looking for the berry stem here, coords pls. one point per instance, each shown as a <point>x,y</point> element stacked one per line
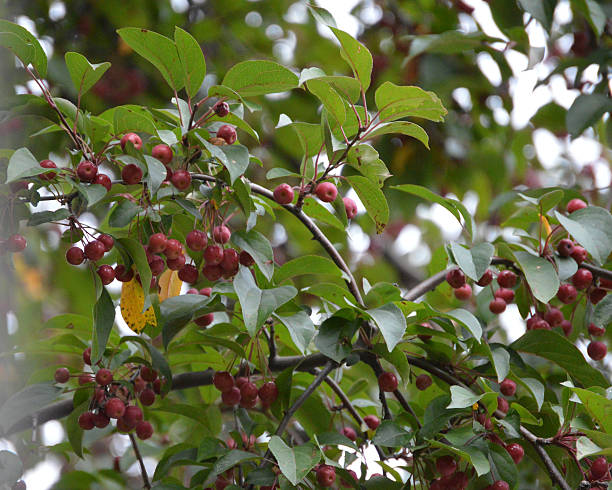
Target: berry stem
<point>143,469</point>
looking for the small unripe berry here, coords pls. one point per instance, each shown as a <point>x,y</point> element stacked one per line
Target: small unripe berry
<point>455,278</point>
<point>423,381</point>
<point>75,256</point>
<point>350,207</point>
<point>131,174</point>
<point>597,350</point>
<point>497,306</point>
<point>486,278</point>
<point>283,194</point>
<point>86,421</point>
<point>114,408</point>
<point>228,133</point>
<point>516,452</point>
<point>387,381</point>
<point>507,279</point>
<point>575,205</point>
<point>372,421</point>
<point>132,138</point>
<point>326,191</point>
<point>163,153</point>
<point>507,387</point>
<point>48,175</point>
<point>221,234</point>
<point>582,279</point>
<point>181,179</point>
<point>567,293</point>
<point>221,108</point>
<point>565,247</point>
<point>62,375</point>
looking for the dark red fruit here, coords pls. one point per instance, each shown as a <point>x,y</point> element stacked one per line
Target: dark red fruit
<point>85,379</point>
<point>575,205</point>
<point>599,468</point>
<point>506,294</point>
<point>228,133</point>
<point>507,387</point>
<point>114,408</point>
<point>246,259</point>
<point>163,153</point>
<point>231,397</point>
<point>596,295</point>
<point>507,279</point>
<point>554,316</point>
<point>75,256</point>
<point>62,375</point>
<point>423,381</point>
<point>349,433</point>
<point>107,240</point>
<point>132,415</point>
<point>230,260</point>
<point>94,250</point>
<point>597,350</point>
<point>268,392</point>
<point>122,274</point>
<point>446,465</point>
<point>350,207</point>
<point>87,171</point>
<point>204,320</point>
<point>567,327</point>
<point>565,247</point>
<point>283,194</point>
<point>497,306</point>
<point>541,324</point>
<point>87,356</point>
<point>516,452</point>
<point>567,293</point>
<point>223,381</point>
<point>196,240</point>
<point>181,179</point>
<point>213,255</point>
<point>486,278</point>
<point>106,274</point>
<point>123,426</point>
<point>596,331</point>
<point>100,420</point>
<point>157,266</point>
<point>86,421</point>
<point>144,430</point>
<point>48,175</point>
<point>387,381</point>
<point>174,249</point>
<point>464,292</point>
<point>221,109</point>
<point>326,191</point>
<point>147,397</point>
<point>157,243</point>
<point>221,234</point>
<point>212,272</point>
<point>188,274</point>
<point>103,180</point>
<point>582,279</point>
<point>502,404</point>
<point>132,138</point>
<point>326,475</point>
<point>455,278</point>
<point>484,420</point>
<point>148,374</point>
<point>16,243</point>
<point>372,421</point>
<point>104,377</point>
<point>131,174</point>
<point>139,384</point>
<point>579,254</point>
<point>500,485</point>
<point>248,391</point>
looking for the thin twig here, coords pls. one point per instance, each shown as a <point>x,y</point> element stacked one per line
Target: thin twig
<point>143,469</point>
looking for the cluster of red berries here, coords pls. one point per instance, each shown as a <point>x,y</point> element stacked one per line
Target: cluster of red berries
<point>111,399</point>
<point>325,191</point>
<point>241,391</point>
<point>450,477</point>
<point>94,250</point>
<point>86,171</point>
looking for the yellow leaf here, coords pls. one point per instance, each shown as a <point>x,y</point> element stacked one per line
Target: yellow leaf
<point>132,303</point>
<point>547,229</point>
<point>31,277</point>
<point>169,285</point>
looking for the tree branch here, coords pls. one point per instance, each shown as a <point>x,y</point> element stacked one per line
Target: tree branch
<point>143,469</point>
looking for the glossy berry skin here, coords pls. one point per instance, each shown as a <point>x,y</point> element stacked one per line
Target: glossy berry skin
<point>575,205</point>
<point>48,175</point>
<point>94,250</point>
<point>213,255</point>
<point>132,415</point>
<point>387,381</point>
<point>268,392</point>
<point>174,249</point>
<point>16,243</point>
<point>507,279</point>
<point>106,274</point>
<point>350,207</point>
<point>463,293</point>
<point>75,256</point>
<point>502,404</point>
<point>87,171</point>
<point>349,433</point>
<point>221,109</point>
<point>372,421</point>
<point>163,153</point>
<point>147,397</point>
<point>148,374</point>
<point>326,475</point>
<point>62,375</point>
<point>541,324</point>
<point>101,420</point>
<point>122,274</point>
<point>455,278</point>
<point>283,194</point>
<point>114,408</point>
<point>554,316</point>
<point>484,420</point>
<point>597,350</point>
<point>231,397</point>
<point>326,191</point>
<point>86,421</point>
<point>181,179</point>
<point>248,391</point>
<point>567,294</point>
<point>104,377</point>
<point>228,133</point>
<point>596,331</point>
<point>221,234</point>
<point>497,306</point>
<point>486,278</point>
<point>230,260</point>
<point>567,327</point>
<point>212,272</point>
<point>246,259</point>
<point>582,279</point>
<point>107,240</point>
<point>144,430</point>
<point>132,138</point>
<point>596,295</point>
<point>507,387</point>
<point>204,320</point>
<point>499,485</point>
<point>516,452</point>
<point>579,254</point>
<point>103,180</point>
<point>599,468</point>
<point>131,174</point>
<point>423,381</point>
<point>506,294</point>
<point>446,465</point>
<point>196,240</point>
<point>157,243</point>
<point>189,274</point>
<point>565,247</point>
<point>223,381</point>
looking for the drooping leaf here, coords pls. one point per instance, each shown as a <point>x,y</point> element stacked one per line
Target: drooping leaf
<point>258,246</point>
<point>598,407</point>
<point>373,199</point>
<point>23,164</point>
<point>391,322</point>
<point>47,216</point>
<point>475,261</point>
<point>104,318</point>
<point>301,329</point>
<point>236,160</point>
<point>401,127</point>
<point>296,462</point>
<point>390,434</point>
<point>357,56</point>
<point>540,275</point>
<point>397,102</point>
<point>26,402</point>
<point>334,337</point>
<point>38,57</point>
<point>84,75</point>
<point>259,77</point>
<point>192,60</point>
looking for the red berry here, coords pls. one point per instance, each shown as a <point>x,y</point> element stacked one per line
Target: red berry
<point>213,255</point>
<point>139,384</point>
<point>106,274</point>
<point>423,381</point>
<point>157,266</point>
<point>343,483</point>
<point>554,316</point>
<point>107,240</point>
<point>326,475</point>
<point>575,205</point>
<point>157,243</point>
<point>114,408</point>
<point>605,283</point>
<point>597,350</point>
<point>246,259</point>
<point>507,279</point>
<point>500,485</point>
<point>16,243</point>
<point>502,404</point>
<point>387,381</point>
<point>174,249</point>
<point>221,109</point>
<point>283,194</point>
<point>228,133</point>
<point>87,356</point>
<point>567,327</point>
<point>268,393</point>
<point>104,377</point>
<point>221,234</point>
<point>163,153</point>
<point>349,433</point>
<point>147,397</point>
<point>596,295</point>
<point>157,385</point>
<point>103,180</point>
<point>94,250</point>
<point>133,138</point>
<point>456,278</point>
<point>532,319</point>
<point>516,452</point>
<point>181,179</point>
<point>464,292</point>
<point>87,171</point>
<point>326,191</point>
<point>75,256</point>
<point>596,331</point>
<point>446,465</point>
<point>47,175</point>
<point>350,207</point>
<point>196,240</point>
<point>122,274</point>
<point>131,174</point>
<point>148,374</point>
<point>86,421</point>
<point>123,426</point>
<point>144,430</point>
<point>248,391</point>
<point>372,421</point>
<point>507,387</point>
<point>205,291</point>
<point>85,379</point>
<point>497,306</point>
<point>579,254</point>
<point>231,397</point>
<point>599,468</point>
<point>132,415</point>
<point>223,381</point>
<point>565,247</point>
<point>188,274</point>
<point>567,293</point>
<point>486,278</point>
<point>506,294</point>
<point>230,260</point>
<point>582,279</point>
<point>100,420</point>
<point>204,320</point>
<point>484,420</point>
<point>212,272</point>
<point>62,375</point>
<point>541,324</point>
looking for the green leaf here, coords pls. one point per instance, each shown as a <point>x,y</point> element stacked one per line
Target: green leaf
<point>136,252</point>
<point>295,463</point>
<point>329,97</point>
<point>157,49</point>
<point>389,434</point>
<point>189,207</point>
<point>192,60</point>
<point>20,47</point>
<point>540,275</point>
<point>331,292</point>
<point>502,465</point>
<point>468,320</point>
<point>47,216</point>
<point>602,315</point>
<point>39,58</point>
<point>373,199</point>
<point>301,329</point>
<point>396,102</point>
<point>542,11</point>
<point>598,407</point>
<point>91,193</point>
<point>334,337</point>
<point>585,111</point>
<point>365,159</point>
<point>557,349</point>
<point>23,164</point>
<point>128,119</point>
<point>592,228</point>
<point>84,75</point>
<point>321,15</point>
<point>316,210</point>
<point>357,56</point>
<point>11,468</point>
<point>123,213</point>
<point>462,397</point>
<point>156,174</point>
<point>103,320</point>
<point>309,135</point>
<point>472,455</point>
<point>74,432</point>
<point>475,261</point>
<point>449,42</point>
<point>236,160</point>
<point>536,388</point>
<point>501,362</point>
<point>400,127</point>
<point>26,402</point>
<point>232,459</point>
<point>258,304</point>
<point>391,323</point>
<point>177,311</point>
<point>258,246</point>
<point>259,77</point>
<point>306,264</point>
<point>594,13</point>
